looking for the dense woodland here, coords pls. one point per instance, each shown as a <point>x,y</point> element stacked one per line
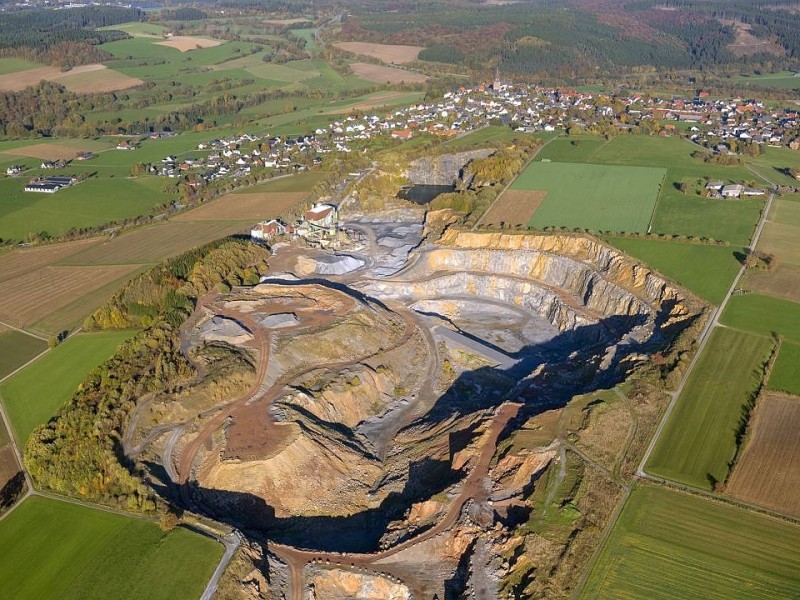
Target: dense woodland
<point>78,453</point>
<point>64,38</point>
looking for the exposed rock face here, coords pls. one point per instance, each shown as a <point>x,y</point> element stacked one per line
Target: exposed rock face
<point>442,170</point>
<point>337,584</point>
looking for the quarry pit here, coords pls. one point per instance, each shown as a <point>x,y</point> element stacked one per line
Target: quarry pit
<point>354,428</point>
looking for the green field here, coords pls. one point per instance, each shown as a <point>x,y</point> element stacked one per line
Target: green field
<point>13,65</point>
<point>596,197</point>
<point>785,375</point>
<point>93,202</point>
<point>34,395</point>
<point>782,80</point>
<point>482,137</point>
<point>17,348</point>
<point>669,545</point>
<point>52,549</point>
<point>764,315</point>
<point>302,182</point>
<point>699,439</point>
<point>706,270</point>
<point>676,213</point>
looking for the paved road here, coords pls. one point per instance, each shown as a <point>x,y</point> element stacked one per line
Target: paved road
<point>231,543</point>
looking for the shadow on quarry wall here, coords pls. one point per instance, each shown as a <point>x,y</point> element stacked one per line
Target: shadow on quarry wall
<point>571,368</point>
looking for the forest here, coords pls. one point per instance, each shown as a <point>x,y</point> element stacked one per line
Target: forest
<point>63,37</point>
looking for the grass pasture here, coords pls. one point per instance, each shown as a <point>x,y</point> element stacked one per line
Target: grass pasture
<point>781,80</point>
<point>35,394</point>
<point>17,348</point>
<point>14,65</point>
<point>699,439</point>
<point>75,552</point>
<point>706,270</point>
<point>768,472</point>
<point>92,202</point>
<point>382,74</point>
<point>592,196</point>
<point>668,544</point>
<point>785,374</point>
<point>764,316</point>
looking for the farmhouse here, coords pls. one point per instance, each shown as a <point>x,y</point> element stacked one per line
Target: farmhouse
<point>715,185</point>
<point>45,188</point>
<point>49,185</point>
<point>732,191</point>
<point>126,145</point>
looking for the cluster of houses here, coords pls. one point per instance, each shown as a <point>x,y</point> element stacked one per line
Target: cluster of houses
<point>319,225</point>
<point>50,184</point>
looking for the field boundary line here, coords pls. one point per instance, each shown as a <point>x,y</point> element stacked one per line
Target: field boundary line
<point>31,361</point>
<point>510,183</point>
<point>657,202</point>
<point>30,333</point>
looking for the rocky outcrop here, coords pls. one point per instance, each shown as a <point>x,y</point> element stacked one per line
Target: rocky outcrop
<point>338,584</point>
<point>442,170</point>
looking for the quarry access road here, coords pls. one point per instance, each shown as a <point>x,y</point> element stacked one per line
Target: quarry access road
<point>473,489</point>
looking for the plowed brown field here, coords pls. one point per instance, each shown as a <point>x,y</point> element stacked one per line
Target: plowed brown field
<point>514,207</point>
<point>389,53</point>
<point>768,473</point>
<point>25,260</point>
<point>32,296</point>
<point>184,43</point>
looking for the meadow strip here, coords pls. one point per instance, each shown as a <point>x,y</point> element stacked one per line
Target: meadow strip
<point>668,545</point>
<point>700,437</point>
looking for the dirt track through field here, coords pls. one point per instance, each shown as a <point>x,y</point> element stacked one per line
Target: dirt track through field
<point>768,473</point>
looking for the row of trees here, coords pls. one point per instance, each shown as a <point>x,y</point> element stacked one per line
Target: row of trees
<point>78,453</point>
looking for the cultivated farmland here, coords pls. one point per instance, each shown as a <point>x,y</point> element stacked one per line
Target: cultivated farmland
<point>154,243</point>
<point>783,282</point>
<point>785,374</point>
<point>513,207</point>
<point>17,348</point>
<point>384,52</point>
<point>764,315</point>
<point>47,151</point>
<point>74,552</point>
<point>768,472</point>
<point>597,197</point>
<point>669,545</point>
<point>186,43</point>
<point>706,270</point>
<point>31,297</point>
<point>381,74</point>
<point>34,395</point>
<point>76,79</point>
<point>699,439</point>
<point>244,207</point>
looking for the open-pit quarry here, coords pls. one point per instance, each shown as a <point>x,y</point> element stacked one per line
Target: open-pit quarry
<point>347,411</point>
